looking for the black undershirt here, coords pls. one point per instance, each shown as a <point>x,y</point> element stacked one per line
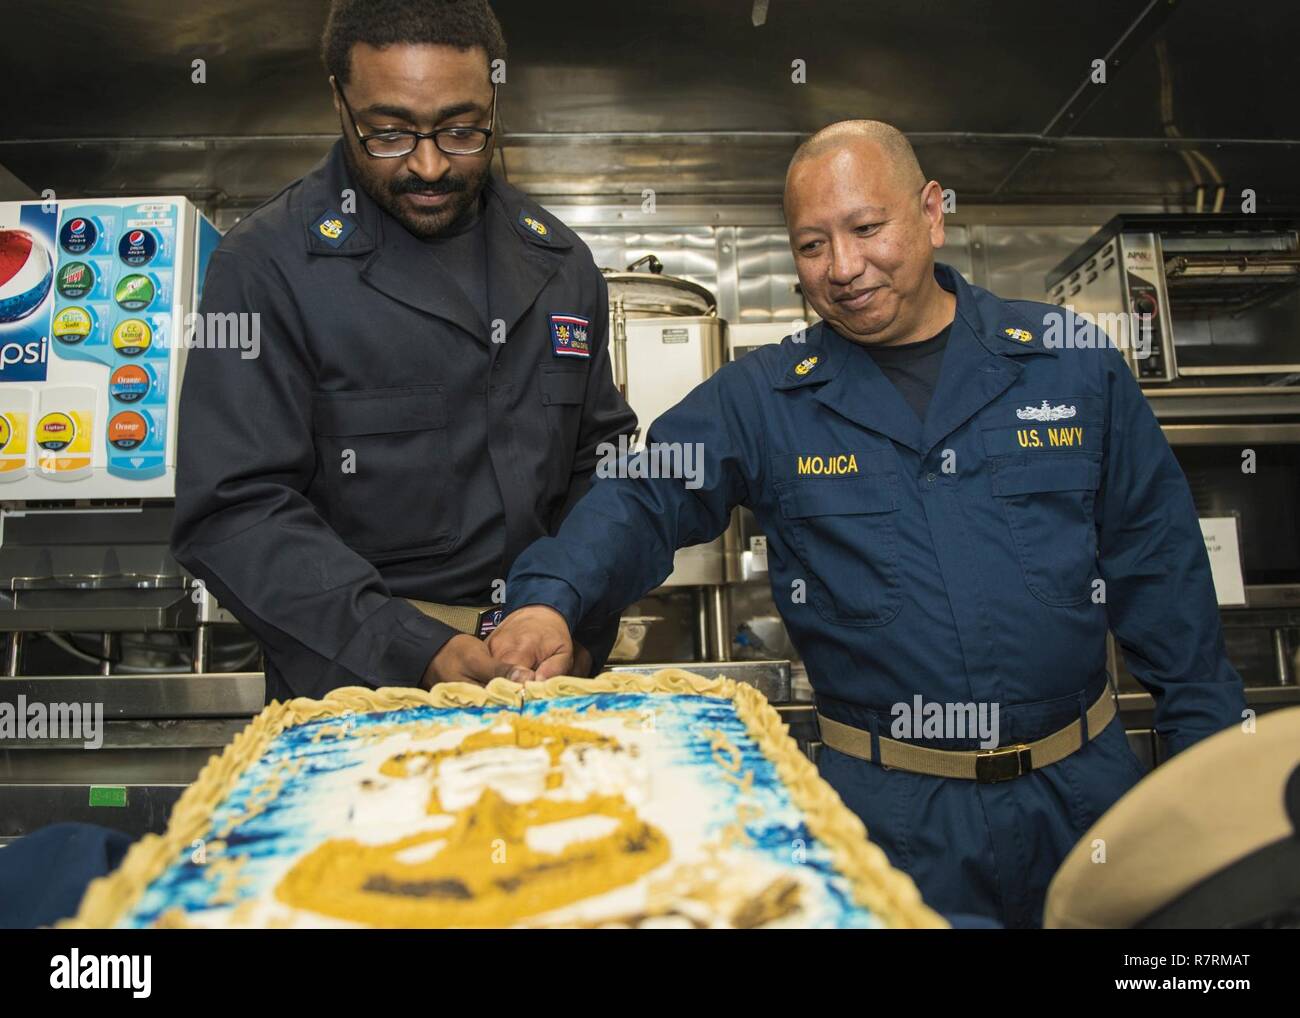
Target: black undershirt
<point>913,368</point>
<point>463,255</point>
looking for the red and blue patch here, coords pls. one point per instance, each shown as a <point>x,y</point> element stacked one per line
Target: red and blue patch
<point>488,620</point>
<point>570,336</point>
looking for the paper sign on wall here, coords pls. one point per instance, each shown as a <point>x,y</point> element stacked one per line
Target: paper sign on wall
<point>1223,543</point>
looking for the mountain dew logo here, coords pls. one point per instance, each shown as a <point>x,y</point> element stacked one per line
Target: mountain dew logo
<point>75,279</point>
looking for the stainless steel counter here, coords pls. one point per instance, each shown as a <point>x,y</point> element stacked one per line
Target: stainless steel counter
<point>772,678</point>
<point>242,694</point>
<point>171,696</point>
<point>158,732</point>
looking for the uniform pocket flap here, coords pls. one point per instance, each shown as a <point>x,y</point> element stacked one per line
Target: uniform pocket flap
<point>564,387</point>
<point>1077,473</point>
<point>838,497</point>
<point>379,411</point>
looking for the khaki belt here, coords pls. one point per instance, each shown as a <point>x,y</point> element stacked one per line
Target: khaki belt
<point>983,765</point>
<point>464,618</point>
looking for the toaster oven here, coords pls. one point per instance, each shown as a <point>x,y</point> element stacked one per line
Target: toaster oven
<point>1191,295</point>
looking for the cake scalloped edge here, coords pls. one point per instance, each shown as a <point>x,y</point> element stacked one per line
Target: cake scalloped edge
<point>876,884</point>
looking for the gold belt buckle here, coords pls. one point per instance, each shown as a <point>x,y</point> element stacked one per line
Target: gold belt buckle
<point>1002,764</point>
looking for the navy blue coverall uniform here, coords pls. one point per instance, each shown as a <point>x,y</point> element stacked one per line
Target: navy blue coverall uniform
<point>466,440</point>
<point>976,557</point>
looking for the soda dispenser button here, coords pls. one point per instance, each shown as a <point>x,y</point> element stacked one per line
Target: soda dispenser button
<point>137,247</point>
<point>127,431</point>
<point>75,280</point>
<point>129,383</point>
<point>64,433</point>
<point>78,235</point>
<point>72,325</point>
<point>13,445</point>
<point>55,432</point>
<point>135,292</point>
<point>15,432</point>
<point>132,337</point>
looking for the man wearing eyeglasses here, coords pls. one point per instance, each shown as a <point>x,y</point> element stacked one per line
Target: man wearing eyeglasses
<point>431,381</point>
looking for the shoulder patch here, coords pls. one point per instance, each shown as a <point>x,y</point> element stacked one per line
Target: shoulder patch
<point>333,228</point>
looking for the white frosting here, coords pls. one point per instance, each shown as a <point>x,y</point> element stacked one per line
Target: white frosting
<point>362,803</point>
<point>420,853</point>
<point>553,837</point>
<point>517,775</point>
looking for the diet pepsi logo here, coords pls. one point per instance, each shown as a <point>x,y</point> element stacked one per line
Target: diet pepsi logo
<point>137,247</point>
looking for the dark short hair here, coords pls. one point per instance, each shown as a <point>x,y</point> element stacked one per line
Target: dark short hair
<point>463,24</point>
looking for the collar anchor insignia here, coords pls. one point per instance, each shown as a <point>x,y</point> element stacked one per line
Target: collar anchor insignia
<point>333,228</point>
<point>534,224</point>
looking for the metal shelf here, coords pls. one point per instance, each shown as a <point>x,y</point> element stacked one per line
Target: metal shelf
<point>172,696</point>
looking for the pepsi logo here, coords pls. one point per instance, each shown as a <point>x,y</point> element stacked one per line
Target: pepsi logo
<point>26,274</point>
<point>137,247</point>
<point>78,236</point>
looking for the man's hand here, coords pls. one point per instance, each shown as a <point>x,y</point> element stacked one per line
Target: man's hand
<point>581,660</point>
<point>467,659</point>
<point>536,638</point>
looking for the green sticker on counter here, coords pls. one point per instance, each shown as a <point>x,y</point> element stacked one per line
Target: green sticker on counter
<point>107,795</point>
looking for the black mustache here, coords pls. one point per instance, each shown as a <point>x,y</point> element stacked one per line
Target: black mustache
<point>417,186</point>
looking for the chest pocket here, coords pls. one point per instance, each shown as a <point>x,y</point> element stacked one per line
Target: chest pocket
<point>845,533</point>
<point>385,470</point>
<point>564,392</point>
<point>1048,500</point>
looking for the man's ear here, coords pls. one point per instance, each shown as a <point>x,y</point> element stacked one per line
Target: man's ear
<point>932,209</point>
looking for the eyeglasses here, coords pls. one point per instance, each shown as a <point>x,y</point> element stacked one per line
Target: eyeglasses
<point>452,141</point>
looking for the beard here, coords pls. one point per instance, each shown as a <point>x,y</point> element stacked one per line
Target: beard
<point>449,218</point>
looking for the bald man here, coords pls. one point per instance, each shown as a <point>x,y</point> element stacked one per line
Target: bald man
<point>957,508</point>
